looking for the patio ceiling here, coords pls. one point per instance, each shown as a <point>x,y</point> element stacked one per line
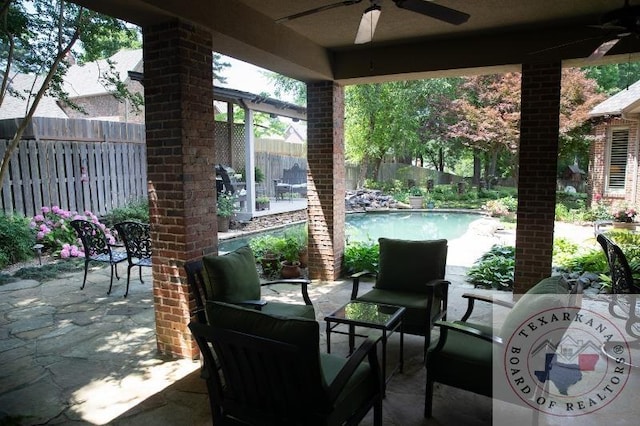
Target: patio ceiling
<point>500,35</point>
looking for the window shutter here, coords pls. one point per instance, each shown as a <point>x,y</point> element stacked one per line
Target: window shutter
<point>618,158</point>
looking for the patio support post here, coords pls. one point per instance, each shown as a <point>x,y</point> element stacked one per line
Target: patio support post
<point>249,164</point>
<point>325,179</point>
<point>181,178</point>
<point>538,158</point>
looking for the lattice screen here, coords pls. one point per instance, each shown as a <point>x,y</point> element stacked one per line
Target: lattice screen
<point>230,154</point>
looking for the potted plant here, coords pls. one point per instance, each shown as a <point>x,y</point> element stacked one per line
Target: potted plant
<point>265,249</point>
<point>416,197</point>
<point>289,249</point>
<point>624,218</point>
<point>225,208</point>
<point>301,237</point>
<point>262,203</point>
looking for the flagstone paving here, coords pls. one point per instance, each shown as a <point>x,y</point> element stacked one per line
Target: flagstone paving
<point>71,356</point>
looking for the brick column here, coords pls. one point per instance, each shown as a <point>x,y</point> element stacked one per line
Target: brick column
<point>326,179</point>
<point>180,155</point>
<point>538,156</point>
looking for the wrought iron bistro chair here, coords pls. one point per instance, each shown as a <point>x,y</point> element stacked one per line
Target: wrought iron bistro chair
<point>97,248</point>
<point>137,242</point>
<point>263,369</point>
<point>624,289</point>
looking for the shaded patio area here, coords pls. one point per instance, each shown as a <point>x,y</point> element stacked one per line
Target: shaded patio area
<point>79,356</point>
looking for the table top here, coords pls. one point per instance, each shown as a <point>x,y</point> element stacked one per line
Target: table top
<point>376,315</point>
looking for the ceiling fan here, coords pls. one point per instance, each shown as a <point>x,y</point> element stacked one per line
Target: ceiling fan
<point>370,17</point>
<point>620,23</point>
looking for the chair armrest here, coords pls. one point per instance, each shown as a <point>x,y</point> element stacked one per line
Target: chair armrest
<point>303,283</point>
<point>445,326</point>
<point>366,349</point>
<point>356,281</point>
<point>255,304</point>
<point>473,297</point>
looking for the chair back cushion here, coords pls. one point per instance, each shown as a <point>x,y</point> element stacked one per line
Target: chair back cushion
<point>232,277</point>
<point>296,331</point>
<point>408,265</point>
<point>270,366</point>
<point>549,293</point>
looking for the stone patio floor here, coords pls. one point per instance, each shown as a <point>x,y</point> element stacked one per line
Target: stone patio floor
<point>71,356</point>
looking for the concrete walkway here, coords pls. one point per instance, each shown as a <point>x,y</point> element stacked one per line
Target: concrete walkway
<point>71,356</point>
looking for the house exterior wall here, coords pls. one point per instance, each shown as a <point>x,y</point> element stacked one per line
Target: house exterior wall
<point>106,106</point>
<point>598,158</point>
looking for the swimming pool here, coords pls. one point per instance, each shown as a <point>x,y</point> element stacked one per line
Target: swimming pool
<point>407,225</point>
<point>373,225</point>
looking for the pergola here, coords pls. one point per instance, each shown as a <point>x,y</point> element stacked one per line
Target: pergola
<point>536,38</point>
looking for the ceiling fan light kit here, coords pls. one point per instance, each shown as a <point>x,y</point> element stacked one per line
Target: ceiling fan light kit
<point>368,24</point>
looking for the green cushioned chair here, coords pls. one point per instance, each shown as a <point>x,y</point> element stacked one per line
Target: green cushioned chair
<point>266,369</point>
<point>410,274</point>
<point>462,356</point>
<point>233,278</point>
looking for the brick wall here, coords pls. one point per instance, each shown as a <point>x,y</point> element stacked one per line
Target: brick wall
<point>180,156</point>
<point>326,179</point>
<point>598,164</point>
<point>538,156</point>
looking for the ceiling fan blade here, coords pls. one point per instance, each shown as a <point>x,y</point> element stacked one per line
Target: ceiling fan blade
<point>603,49</point>
<point>368,24</point>
<point>316,10</point>
<point>434,10</point>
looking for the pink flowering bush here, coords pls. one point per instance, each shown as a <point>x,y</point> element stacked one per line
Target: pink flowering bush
<point>53,230</point>
<point>625,215</point>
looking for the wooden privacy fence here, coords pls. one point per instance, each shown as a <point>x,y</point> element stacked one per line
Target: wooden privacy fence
<point>75,164</point>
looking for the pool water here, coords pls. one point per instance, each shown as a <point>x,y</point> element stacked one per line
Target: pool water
<point>362,227</point>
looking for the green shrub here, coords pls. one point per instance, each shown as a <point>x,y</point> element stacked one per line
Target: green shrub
<point>494,269</point>
<point>16,239</point>
<point>361,256</point>
<point>136,210</point>
<point>265,244</point>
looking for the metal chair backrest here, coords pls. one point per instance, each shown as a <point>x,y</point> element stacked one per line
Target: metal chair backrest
<point>621,275</point>
<point>136,238</point>
<point>92,236</point>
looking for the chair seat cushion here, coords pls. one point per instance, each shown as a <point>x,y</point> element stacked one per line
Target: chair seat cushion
<point>235,276</point>
<point>459,366</point>
<point>289,310</point>
<point>415,318</point>
<point>357,391</point>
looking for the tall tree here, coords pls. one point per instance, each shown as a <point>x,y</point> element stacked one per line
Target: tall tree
<point>39,40</point>
<point>489,116</point>
<point>380,120</point>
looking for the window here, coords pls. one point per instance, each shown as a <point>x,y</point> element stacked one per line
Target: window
<point>617,166</point>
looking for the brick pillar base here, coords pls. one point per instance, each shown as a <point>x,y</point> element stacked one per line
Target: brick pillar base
<point>180,156</point>
<point>539,128</point>
<point>326,179</point>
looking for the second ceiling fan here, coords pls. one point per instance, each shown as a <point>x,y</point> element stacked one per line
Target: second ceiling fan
<point>370,17</point>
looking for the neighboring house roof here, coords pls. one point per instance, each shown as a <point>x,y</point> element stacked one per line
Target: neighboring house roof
<point>84,80</point>
<point>79,81</point>
<point>626,101</point>
<point>13,107</point>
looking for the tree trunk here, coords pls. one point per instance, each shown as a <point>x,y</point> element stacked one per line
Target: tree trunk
<point>477,167</point>
<point>441,159</point>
